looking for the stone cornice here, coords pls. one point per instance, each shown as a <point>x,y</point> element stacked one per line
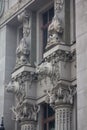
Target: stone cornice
<point>14,11</point>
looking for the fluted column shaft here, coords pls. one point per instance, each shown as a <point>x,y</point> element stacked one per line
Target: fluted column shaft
<point>63,117</point>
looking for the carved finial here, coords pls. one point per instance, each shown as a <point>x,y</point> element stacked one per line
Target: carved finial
<point>23,49</point>
<point>55,31</point>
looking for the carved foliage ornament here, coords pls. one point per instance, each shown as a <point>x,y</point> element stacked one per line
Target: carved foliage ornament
<point>60,95</point>
<point>25,110</point>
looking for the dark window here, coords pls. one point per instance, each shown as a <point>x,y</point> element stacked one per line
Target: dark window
<point>47,18</point>
<point>20,33</point>
<point>48,117</point>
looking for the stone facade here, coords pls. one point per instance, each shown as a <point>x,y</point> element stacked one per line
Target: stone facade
<point>35,74</point>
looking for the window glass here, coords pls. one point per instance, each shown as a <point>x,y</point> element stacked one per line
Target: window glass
<point>48,118</point>
<point>51,13</point>
<point>45,18</point>
<point>50,111</point>
<point>52,125</point>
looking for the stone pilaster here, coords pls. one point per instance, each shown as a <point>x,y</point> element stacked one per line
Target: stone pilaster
<point>25,109</point>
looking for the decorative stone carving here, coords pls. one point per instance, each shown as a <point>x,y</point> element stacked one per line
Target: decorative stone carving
<point>49,69</point>
<point>18,89</point>
<point>60,95</point>
<point>50,65</point>
<point>23,49</point>
<point>58,5</point>
<point>25,110</point>
<point>18,86</point>
<point>61,55</point>
<point>55,31</point>
<point>23,53</point>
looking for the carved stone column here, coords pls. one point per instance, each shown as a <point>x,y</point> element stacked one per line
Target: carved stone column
<point>63,117</point>
<point>61,99</point>
<point>25,109</point>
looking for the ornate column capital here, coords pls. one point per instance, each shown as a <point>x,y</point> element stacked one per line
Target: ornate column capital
<point>25,111</point>
<point>61,95</point>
